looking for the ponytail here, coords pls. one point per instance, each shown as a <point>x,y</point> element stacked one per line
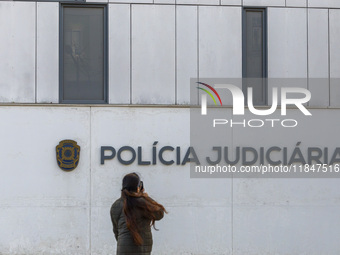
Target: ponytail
<point>133,201</point>
<point>146,205</point>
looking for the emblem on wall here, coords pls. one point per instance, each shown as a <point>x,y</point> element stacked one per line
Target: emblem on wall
<point>68,153</point>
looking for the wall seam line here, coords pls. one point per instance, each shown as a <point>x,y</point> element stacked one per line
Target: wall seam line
<point>198,51</point>
<point>307,23</point>
<point>232,195</point>
<point>329,60</point>
<point>176,99</point>
<point>36,54</point>
<point>228,5</point>
<point>90,202</point>
<point>130,53</point>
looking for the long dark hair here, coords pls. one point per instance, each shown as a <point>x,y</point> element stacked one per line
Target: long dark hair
<point>147,206</point>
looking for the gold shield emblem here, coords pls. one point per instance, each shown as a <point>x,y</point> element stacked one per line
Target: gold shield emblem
<point>68,153</point>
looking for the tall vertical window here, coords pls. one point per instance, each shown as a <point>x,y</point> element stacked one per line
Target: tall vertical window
<point>254,51</point>
<point>83,62</point>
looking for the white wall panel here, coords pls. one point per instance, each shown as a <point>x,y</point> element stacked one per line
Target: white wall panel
<point>47,52</point>
<point>284,206</point>
<point>334,30</point>
<point>102,238</point>
<point>44,230</point>
<point>287,43</point>
<point>296,3</point>
<point>97,1</point>
<point>205,2</point>
<point>231,2</point>
<point>132,1</point>
<point>153,54</point>
<point>318,43</point>
<point>17,52</point>
<point>318,57</point>
<point>43,209</point>
<point>113,127</point>
<point>186,36</point>
<point>30,137</point>
<point>268,229</point>
<point>298,192</point>
<point>220,43</point>
<point>164,1</point>
<point>119,54</point>
<point>191,230</point>
<point>324,3</point>
<point>264,2</point>
<point>308,126</point>
<point>287,48</point>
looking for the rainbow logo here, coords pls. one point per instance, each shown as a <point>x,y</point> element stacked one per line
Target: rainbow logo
<point>209,93</point>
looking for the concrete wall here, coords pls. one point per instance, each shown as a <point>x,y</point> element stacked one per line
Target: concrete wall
<point>44,210</point>
<point>155,49</point>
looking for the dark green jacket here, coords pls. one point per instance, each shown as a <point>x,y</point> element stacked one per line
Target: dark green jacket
<point>125,243</point>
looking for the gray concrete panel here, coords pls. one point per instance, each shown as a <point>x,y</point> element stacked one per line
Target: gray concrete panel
<point>172,126</point>
<point>197,2</point>
<point>47,53</point>
<point>153,54</point>
<point>324,3</point>
<point>194,232</point>
<point>119,54</point>
<point>263,2</point>
<point>296,3</point>
<point>270,229</point>
<point>318,58</point>
<point>318,43</point>
<point>43,208</point>
<point>31,136</point>
<point>97,1</point>
<point>220,43</point>
<point>132,1</point>
<point>164,1</point>
<point>17,52</point>
<point>186,55</point>
<point>231,2</point>
<point>44,230</point>
<point>287,43</point>
<point>288,208</point>
<point>334,37</point>
<point>334,40</point>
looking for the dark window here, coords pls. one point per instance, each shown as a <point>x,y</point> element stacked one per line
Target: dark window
<point>83,53</point>
<point>255,54</point>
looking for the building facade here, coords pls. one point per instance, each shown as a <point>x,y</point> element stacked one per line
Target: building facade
<point>117,73</point>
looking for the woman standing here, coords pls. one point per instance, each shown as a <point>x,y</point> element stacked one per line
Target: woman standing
<point>132,216</point>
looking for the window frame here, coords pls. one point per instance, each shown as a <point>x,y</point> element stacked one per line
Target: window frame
<point>61,57</point>
<point>264,50</point>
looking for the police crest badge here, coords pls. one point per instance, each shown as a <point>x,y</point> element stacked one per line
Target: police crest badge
<point>68,153</point>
